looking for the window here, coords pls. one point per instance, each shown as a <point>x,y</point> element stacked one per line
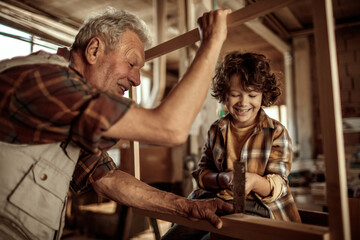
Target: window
<point>277,112</point>
<point>14,43</point>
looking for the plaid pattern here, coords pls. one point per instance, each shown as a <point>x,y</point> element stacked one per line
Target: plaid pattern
<point>47,103</point>
<point>268,151</point>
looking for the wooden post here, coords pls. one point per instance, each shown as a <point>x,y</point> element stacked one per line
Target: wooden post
<point>135,171</point>
<point>303,94</point>
<point>134,146</point>
<point>331,120</point>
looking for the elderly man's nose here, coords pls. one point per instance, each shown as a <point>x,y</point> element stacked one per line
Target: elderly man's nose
<point>135,78</point>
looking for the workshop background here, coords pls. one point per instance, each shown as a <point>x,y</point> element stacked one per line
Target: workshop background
<point>285,36</point>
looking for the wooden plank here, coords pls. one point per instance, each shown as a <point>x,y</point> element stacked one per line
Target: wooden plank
<point>287,16</point>
<point>303,97</point>
<point>241,226</point>
<point>235,18</point>
<point>159,65</point>
<point>135,171</point>
<point>331,120</point>
<point>314,217</point>
<point>263,31</point>
<point>134,147</point>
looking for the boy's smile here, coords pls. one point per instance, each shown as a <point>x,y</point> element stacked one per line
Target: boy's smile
<point>242,105</point>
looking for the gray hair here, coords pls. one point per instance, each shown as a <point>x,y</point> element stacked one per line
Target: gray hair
<point>110,26</point>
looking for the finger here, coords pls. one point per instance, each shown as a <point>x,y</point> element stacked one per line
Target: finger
<point>193,219</point>
<point>202,24</point>
<point>227,11</point>
<point>227,207</point>
<point>215,220</point>
<point>223,207</point>
<point>204,20</point>
<point>210,18</point>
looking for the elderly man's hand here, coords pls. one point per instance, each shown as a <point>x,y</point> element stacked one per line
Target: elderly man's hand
<point>212,25</point>
<point>206,209</point>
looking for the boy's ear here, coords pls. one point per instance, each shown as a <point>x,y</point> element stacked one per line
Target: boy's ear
<point>94,50</point>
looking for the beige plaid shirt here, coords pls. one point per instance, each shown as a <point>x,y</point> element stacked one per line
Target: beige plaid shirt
<point>267,152</point>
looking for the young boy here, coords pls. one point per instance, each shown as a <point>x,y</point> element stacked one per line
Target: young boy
<point>243,83</point>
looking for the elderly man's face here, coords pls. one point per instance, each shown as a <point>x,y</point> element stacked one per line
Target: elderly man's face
<point>120,69</point>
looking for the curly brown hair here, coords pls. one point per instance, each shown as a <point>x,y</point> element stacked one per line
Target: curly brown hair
<point>254,70</point>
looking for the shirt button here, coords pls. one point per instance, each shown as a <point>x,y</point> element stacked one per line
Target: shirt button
<point>43,177</point>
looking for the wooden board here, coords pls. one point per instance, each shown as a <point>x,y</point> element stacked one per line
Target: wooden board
<point>241,226</point>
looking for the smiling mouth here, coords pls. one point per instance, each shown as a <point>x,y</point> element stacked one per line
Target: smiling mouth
<point>123,89</point>
<point>242,110</point>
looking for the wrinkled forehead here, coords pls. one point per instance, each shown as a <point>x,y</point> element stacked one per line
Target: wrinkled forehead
<point>131,44</point>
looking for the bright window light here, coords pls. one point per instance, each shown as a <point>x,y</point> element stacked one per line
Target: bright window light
<point>14,31</point>
<point>15,43</point>
<point>278,113</point>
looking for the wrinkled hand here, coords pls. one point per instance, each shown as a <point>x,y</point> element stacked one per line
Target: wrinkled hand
<point>206,209</point>
<point>213,25</point>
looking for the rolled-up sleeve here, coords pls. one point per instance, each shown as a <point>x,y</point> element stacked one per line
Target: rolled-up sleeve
<point>98,116</point>
<point>89,168</point>
<point>279,164</point>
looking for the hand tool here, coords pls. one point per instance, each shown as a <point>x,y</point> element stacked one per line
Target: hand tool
<point>239,187</point>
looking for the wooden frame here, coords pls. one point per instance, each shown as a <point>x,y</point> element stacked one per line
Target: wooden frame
<point>247,227</point>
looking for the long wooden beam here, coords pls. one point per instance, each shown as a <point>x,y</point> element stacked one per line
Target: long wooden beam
<point>331,120</point>
<point>241,226</point>
<point>237,17</point>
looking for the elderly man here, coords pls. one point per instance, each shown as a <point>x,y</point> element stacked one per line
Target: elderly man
<point>58,116</point>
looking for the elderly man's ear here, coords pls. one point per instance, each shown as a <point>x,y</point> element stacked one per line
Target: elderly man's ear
<point>94,50</point>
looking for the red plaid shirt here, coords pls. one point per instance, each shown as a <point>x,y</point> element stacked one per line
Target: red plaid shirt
<point>47,103</point>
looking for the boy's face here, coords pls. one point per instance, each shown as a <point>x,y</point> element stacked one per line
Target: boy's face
<point>243,106</point>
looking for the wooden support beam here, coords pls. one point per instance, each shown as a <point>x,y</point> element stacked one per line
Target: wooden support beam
<point>135,171</point>
<point>303,97</point>
<point>235,18</point>
<point>134,146</point>
<point>331,120</point>
<point>40,25</point>
<point>260,29</point>
<point>241,226</point>
<point>159,70</point>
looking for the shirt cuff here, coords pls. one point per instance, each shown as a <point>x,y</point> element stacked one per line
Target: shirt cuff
<point>202,174</point>
<point>276,186</point>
